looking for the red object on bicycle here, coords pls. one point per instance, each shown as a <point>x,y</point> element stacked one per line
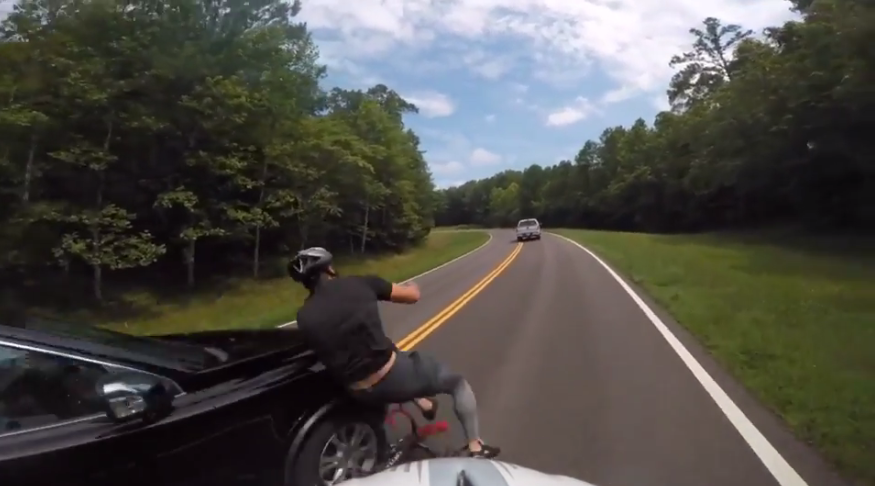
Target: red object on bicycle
<point>390,416</point>
<point>432,429</point>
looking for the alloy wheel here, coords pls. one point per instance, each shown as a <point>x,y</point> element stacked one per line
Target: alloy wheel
<point>352,451</point>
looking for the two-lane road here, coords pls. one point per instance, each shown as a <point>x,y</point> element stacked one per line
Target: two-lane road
<point>575,377</point>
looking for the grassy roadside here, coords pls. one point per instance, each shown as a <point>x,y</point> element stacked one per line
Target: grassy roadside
<point>793,319</point>
<point>273,302</point>
<point>458,227</point>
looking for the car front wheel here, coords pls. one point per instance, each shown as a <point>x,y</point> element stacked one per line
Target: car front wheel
<point>337,449</point>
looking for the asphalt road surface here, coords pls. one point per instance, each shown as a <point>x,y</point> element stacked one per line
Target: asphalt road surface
<point>575,377</point>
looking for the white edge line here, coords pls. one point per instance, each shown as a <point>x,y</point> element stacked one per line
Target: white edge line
<point>781,470</point>
<point>442,265</point>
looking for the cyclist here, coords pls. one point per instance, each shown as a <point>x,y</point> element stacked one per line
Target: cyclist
<point>341,322</point>
<point>462,472</point>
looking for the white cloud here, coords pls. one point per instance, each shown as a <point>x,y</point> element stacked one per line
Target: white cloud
<point>489,118</point>
<point>660,102</point>
<point>573,113</point>
<point>449,145</point>
<point>445,184</point>
<point>447,168</point>
<point>519,100</point>
<point>519,87</point>
<point>432,104</point>
<point>482,156</point>
<point>622,93</point>
<point>489,66</point>
<point>493,69</point>
<point>360,76</point>
<point>561,41</point>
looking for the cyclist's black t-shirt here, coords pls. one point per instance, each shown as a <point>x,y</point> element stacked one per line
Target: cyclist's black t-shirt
<point>341,323</point>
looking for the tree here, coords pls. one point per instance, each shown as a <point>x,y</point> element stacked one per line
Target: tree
<point>763,132</point>
<point>140,136</point>
<point>707,66</point>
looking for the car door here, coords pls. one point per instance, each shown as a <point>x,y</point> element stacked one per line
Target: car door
<point>236,431</point>
<point>53,430</point>
<point>52,427</point>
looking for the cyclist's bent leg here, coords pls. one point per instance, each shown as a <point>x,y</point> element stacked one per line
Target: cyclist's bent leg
<point>416,376</point>
<point>465,405</point>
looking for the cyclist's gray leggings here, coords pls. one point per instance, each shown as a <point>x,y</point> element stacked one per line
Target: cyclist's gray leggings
<point>416,375</point>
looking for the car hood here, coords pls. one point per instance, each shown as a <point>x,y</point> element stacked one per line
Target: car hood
<point>241,344</point>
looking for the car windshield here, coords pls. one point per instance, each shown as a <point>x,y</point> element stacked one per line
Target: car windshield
<point>527,223</point>
<point>151,347</point>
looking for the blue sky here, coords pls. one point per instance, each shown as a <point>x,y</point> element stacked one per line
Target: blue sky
<point>506,83</point>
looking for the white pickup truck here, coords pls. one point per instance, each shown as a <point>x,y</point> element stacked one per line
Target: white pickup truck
<point>528,229</point>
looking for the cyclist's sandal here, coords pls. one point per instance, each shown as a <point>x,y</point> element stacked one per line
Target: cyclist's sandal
<point>485,452</point>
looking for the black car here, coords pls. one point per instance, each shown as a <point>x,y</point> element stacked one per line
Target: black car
<point>82,405</point>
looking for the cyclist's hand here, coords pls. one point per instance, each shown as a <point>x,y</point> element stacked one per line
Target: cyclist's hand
<point>405,293</point>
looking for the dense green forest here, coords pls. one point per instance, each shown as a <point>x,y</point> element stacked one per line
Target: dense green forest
<point>173,140</point>
<point>776,130</point>
<point>168,140</point>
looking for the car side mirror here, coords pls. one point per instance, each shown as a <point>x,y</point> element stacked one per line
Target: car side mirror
<point>129,396</point>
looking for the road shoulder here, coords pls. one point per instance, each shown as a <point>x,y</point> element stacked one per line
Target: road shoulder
<point>787,458</point>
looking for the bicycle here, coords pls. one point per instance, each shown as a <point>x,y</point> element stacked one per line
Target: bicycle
<point>403,449</point>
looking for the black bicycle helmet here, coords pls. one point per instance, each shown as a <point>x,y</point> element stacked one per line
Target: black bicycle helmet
<point>307,264</point>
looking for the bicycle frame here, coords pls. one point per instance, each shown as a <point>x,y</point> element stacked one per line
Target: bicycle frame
<point>414,440</point>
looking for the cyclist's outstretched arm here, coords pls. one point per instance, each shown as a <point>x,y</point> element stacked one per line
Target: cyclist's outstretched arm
<point>392,292</point>
<point>404,293</point>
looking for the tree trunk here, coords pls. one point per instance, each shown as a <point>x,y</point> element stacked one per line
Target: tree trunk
<point>97,283</point>
<point>304,232</point>
<point>365,228</point>
<point>95,240</point>
<point>6,147</point>
<point>65,264</point>
<point>188,254</point>
<point>28,169</point>
<point>95,228</point>
<point>256,251</point>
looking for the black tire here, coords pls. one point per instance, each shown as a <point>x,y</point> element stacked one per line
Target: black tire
<point>304,470</point>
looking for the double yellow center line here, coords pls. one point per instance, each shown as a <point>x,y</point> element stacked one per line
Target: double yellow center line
<point>443,316</point>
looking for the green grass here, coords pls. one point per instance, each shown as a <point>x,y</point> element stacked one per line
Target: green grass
<point>266,303</point>
<point>792,317</point>
<point>458,227</point>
